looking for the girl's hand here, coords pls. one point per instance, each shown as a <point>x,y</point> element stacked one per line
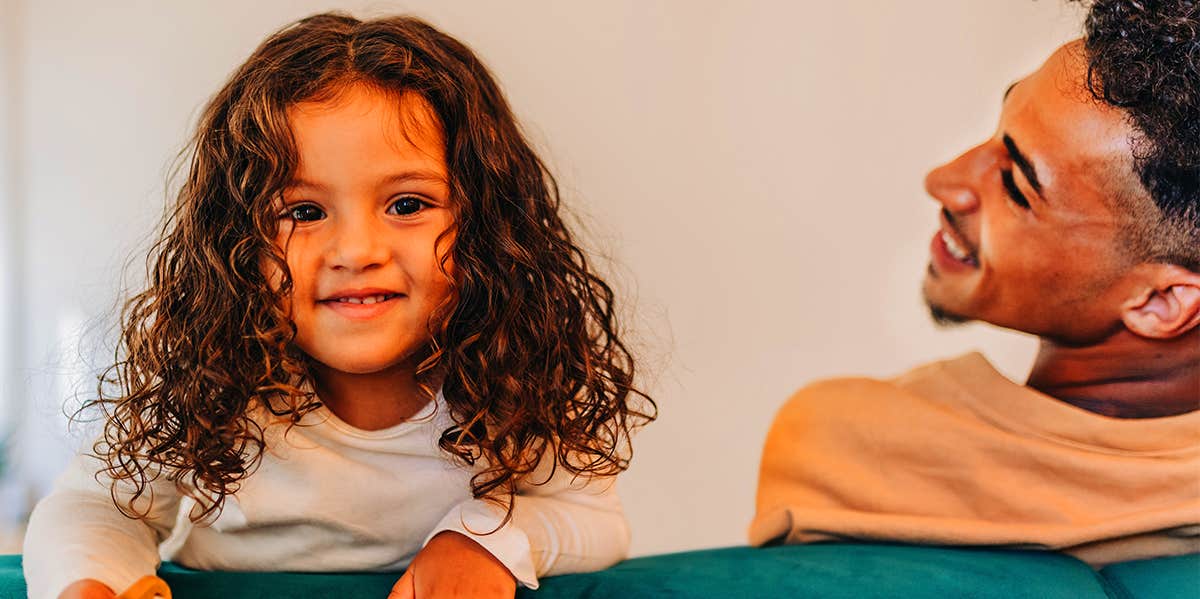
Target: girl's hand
<point>87,589</point>
<point>453,565</point>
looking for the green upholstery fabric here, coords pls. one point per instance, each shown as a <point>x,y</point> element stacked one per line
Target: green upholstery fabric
<point>837,571</point>
<point>1162,578</point>
<point>830,571</point>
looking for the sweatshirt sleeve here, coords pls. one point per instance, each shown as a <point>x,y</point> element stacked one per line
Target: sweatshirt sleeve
<point>77,532</point>
<point>568,524</point>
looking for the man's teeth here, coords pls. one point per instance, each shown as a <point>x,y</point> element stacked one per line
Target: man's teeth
<point>370,299</point>
<point>955,250</point>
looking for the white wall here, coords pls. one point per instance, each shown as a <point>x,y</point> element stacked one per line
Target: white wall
<point>753,169</point>
<point>11,235</point>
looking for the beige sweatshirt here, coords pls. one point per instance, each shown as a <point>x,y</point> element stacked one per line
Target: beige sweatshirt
<point>953,453</point>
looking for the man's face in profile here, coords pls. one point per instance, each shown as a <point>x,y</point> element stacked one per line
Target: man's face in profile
<point>1031,217</point>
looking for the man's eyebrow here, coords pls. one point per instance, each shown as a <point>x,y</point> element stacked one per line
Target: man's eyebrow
<point>1009,89</point>
<point>1022,163</point>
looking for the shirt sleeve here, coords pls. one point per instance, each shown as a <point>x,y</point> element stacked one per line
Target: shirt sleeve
<point>77,532</point>
<point>567,524</point>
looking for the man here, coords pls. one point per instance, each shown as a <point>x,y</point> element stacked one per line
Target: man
<point>1078,221</point>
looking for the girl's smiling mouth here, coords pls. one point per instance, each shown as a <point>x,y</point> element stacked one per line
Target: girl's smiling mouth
<point>361,303</point>
<point>370,299</point>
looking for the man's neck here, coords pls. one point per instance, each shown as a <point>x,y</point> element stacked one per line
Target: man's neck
<point>1124,376</point>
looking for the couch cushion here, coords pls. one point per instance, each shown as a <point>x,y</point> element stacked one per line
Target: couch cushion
<point>836,571</point>
<point>1162,578</point>
<point>830,570</point>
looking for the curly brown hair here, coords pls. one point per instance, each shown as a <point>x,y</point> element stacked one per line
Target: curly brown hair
<point>526,347</point>
<point>1144,58</point>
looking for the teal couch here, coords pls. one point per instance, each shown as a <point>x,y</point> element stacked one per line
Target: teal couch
<point>833,571</point>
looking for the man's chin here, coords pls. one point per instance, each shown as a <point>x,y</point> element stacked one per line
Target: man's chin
<point>943,317</point>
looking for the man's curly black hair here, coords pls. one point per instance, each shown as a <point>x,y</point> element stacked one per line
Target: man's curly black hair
<point>1144,58</point>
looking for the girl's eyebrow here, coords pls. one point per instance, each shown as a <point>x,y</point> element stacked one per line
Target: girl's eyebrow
<point>422,175</point>
<point>425,175</point>
<point>306,184</point>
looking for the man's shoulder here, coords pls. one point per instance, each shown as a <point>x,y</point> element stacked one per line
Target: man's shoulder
<point>935,385</point>
<point>840,390</point>
<point>835,404</point>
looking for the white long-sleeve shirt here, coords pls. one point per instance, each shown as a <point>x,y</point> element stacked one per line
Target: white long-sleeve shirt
<point>326,497</point>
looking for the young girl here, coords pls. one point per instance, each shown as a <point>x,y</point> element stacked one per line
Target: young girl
<point>368,343</point>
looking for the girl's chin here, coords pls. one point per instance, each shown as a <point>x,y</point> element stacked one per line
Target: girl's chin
<point>365,356</point>
<point>365,367</point>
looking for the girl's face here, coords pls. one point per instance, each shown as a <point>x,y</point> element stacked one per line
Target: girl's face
<point>360,226</point>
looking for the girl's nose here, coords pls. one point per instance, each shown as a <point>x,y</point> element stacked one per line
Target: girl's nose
<point>358,245</point>
<point>957,184</point>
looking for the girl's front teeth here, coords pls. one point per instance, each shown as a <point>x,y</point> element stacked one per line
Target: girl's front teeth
<point>372,299</point>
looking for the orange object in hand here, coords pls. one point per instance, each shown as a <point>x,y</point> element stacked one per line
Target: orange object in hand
<point>147,587</point>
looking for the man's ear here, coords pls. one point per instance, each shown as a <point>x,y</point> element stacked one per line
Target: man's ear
<point>1167,307</point>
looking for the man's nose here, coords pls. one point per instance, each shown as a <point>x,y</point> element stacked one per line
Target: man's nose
<point>956,184</point>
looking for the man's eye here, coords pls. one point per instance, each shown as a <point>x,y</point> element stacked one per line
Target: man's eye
<point>305,213</point>
<point>1014,192</point>
<point>406,205</point>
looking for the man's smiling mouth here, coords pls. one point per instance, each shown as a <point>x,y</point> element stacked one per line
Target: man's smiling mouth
<point>954,242</point>
<point>955,250</point>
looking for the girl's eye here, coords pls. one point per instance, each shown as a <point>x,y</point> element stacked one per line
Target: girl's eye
<point>304,213</point>
<point>1014,192</point>
<point>406,206</point>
